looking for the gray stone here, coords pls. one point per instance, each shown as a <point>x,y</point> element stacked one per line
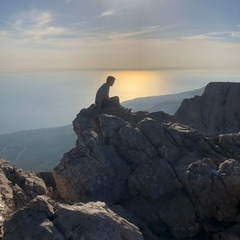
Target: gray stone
<point>153,179</point>
<point>213,190</point>
<point>232,233</point>
<point>45,219</point>
<point>159,171</point>
<point>97,173</point>
<point>17,188</point>
<point>216,111</point>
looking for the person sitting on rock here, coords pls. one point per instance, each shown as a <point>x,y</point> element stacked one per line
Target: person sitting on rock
<point>103,100</point>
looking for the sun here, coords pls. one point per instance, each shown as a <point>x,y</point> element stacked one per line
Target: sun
<point>134,84</point>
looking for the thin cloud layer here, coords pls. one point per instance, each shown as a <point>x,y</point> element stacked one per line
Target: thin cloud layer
<point>110,12</point>
<point>145,34</point>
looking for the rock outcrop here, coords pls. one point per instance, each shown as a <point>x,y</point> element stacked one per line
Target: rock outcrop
<point>179,182</point>
<point>136,176</point>
<point>18,188</point>
<point>216,111</point>
<point>46,219</point>
<point>83,120</point>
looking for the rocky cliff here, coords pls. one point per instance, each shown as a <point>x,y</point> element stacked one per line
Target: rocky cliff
<point>176,181</point>
<point>46,219</point>
<point>18,188</point>
<point>131,176</point>
<point>28,212</point>
<point>216,111</point>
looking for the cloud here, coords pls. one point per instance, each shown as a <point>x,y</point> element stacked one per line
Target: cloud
<point>235,34</point>
<point>34,24</point>
<point>33,18</point>
<point>133,34</point>
<point>36,39</point>
<point>3,33</point>
<point>214,36</point>
<point>109,12</point>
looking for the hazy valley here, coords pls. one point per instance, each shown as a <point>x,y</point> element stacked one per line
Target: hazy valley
<point>41,149</point>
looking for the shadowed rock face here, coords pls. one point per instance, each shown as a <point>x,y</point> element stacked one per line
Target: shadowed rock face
<point>45,219</point>
<point>216,111</point>
<point>178,181</point>
<point>18,188</point>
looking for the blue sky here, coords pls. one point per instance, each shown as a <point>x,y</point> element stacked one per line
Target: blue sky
<point>125,34</point>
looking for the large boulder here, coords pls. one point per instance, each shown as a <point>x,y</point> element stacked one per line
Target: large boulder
<point>46,219</point>
<point>215,192</point>
<point>18,188</point>
<point>181,183</point>
<point>216,111</point>
<point>82,122</point>
<point>171,216</point>
<point>91,172</point>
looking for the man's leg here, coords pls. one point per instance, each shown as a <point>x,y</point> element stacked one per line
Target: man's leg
<point>109,103</point>
<point>115,99</point>
<point>114,102</point>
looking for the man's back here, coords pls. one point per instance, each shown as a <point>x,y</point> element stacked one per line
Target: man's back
<point>102,92</point>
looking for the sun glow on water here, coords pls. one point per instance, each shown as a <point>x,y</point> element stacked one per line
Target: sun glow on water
<point>134,84</point>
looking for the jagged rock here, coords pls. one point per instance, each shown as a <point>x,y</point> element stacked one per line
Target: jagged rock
<point>18,188</point>
<point>153,179</point>
<point>232,233</point>
<point>180,182</point>
<point>172,212</point>
<point>183,221</point>
<point>169,180</point>
<point>229,145</point>
<point>45,219</point>
<point>6,199</point>
<point>229,172</point>
<point>91,172</point>
<point>128,141</point>
<point>216,111</point>
<point>83,120</point>
<point>215,191</point>
<point>49,180</point>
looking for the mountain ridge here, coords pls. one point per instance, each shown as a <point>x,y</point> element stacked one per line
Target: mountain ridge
<point>168,103</point>
<point>37,149</point>
<point>216,111</point>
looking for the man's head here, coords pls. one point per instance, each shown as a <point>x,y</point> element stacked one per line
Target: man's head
<point>110,80</point>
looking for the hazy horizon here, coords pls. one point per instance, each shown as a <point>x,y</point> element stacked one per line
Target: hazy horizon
<point>42,99</point>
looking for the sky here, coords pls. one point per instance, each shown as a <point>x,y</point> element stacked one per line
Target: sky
<point>119,34</point>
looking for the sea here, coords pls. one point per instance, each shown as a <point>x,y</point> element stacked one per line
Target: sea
<point>52,98</point>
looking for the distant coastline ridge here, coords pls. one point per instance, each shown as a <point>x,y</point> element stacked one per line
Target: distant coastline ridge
<point>168,103</point>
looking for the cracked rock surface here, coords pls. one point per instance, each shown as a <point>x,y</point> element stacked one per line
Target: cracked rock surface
<point>135,176</point>
<point>216,111</point>
<point>46,219</point>
<point>179,182</point>
<point>18,188</point>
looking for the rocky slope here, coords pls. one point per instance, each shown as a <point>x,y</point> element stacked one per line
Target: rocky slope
<point>37,150</point>
<point>28,212</point>
<point>18,188</point>
<point>177,181</point>
<point>131,176</point>
<point>46,219</point>
<point>216,111</point>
